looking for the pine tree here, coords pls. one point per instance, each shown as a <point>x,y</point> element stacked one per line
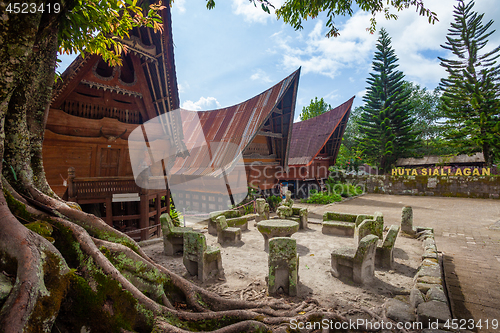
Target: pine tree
<point>471,91</point>
<point>385,123</point>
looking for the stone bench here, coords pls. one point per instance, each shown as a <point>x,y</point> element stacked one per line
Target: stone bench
<point>384,254</point>
<point>339,224</point>
<point>283,266</point>
<point>234,218</point>
<point>358,263</point>
<point>344,224</point>
<point>225,234</point>
<point>368,225</point>
<point>173,237</point>
<point>200,259</point>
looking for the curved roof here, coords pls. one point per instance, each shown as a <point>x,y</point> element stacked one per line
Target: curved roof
<point>309,136</point>
<point>228,131</point>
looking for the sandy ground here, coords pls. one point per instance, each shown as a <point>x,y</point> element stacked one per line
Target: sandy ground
<point>245,268</point>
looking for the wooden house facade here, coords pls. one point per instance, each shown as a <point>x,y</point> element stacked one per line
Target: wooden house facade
<point>94,109</point>
<point>314,147</point>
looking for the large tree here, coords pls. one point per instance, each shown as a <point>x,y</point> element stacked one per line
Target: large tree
<point>66,270</point>
<point>315,108</point>
<point>385,124</point>
<point>471,92</point>
<point>429,121</point>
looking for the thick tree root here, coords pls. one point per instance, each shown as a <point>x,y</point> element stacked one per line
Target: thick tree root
<point>128,265</point>
<point>244,326</point>
<point>34,258</point>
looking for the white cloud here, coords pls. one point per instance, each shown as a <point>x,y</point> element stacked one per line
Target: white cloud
<point>254,13</point>
<point>415,41</point>
<point>179,5</point>
<point>329,56</point>
<point>204,103</point>
<point>182,87</point>
<point>361,94</point>
<point>261,76</point>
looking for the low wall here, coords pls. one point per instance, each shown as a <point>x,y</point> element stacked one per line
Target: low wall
<point>447,186</point>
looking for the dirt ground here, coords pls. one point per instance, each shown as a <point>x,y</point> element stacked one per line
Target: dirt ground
<point>245,268</point>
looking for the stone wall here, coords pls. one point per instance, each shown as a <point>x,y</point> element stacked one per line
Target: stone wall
<point>447,186</point>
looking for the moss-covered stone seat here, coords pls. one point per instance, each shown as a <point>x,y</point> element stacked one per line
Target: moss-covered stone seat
<point>344,224</point>
<point>262,208</point>
<point>384,254</point>
<point>276,228</point>
<point>358,263</point>
<point>368,226</point>
<point>173,237</point>
<point>200,259</point>
<point>234,218</point>
<point>225,234</point>
<point>283,266</point>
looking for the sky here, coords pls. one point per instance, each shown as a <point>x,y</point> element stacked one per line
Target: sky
<point>229,54</point>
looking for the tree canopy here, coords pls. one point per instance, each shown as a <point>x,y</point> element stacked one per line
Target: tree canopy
<point>471,91</point>
<point>315,108</point>
<point>294,11</point>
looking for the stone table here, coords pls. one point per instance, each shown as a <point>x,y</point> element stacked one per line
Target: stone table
<point>276,228</point>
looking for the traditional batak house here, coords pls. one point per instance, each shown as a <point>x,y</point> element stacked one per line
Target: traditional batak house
<point>254,134</point>
<point>95,108</point>
<point>93,111</point>
<point>314,147</point>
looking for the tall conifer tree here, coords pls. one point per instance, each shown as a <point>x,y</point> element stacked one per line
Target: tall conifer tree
<point>471,92</point>
<point>385,123</point>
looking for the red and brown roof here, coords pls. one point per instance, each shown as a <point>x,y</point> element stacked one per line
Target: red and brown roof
<point>311,135</point>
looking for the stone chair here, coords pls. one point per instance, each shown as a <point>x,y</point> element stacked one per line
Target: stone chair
<point>358,263</point>
<point>287,211</point>
<point>368,226</point>
<point>384,254</point>
<point>262,208</point>
<point>200,259</point>
<point>234,218</point>
<point>225,234</point>
<point>173,237</point>
<point>283,266</point>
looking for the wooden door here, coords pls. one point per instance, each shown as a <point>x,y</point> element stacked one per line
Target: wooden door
<point>110,158</point>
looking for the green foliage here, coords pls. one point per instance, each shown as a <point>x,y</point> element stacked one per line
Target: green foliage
<point>471,92</point>
<point>323,198</point>
<point>349,159</point>
<point>315,109</point>
<point>97,27</point>
<point>174,214</point>
<point>385,124</point>
<point>428,117</point>
<point>294,11</point>
<point>273,202</point>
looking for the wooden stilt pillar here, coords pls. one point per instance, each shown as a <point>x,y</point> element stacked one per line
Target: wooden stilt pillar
<point>144,211</point>
<point>158,213</point>
<point>109,211</point>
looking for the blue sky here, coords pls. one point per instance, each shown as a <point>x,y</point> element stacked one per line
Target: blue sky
<point>235,51</point>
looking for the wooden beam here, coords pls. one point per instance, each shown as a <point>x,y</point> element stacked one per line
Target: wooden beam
<point>270,134</point>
